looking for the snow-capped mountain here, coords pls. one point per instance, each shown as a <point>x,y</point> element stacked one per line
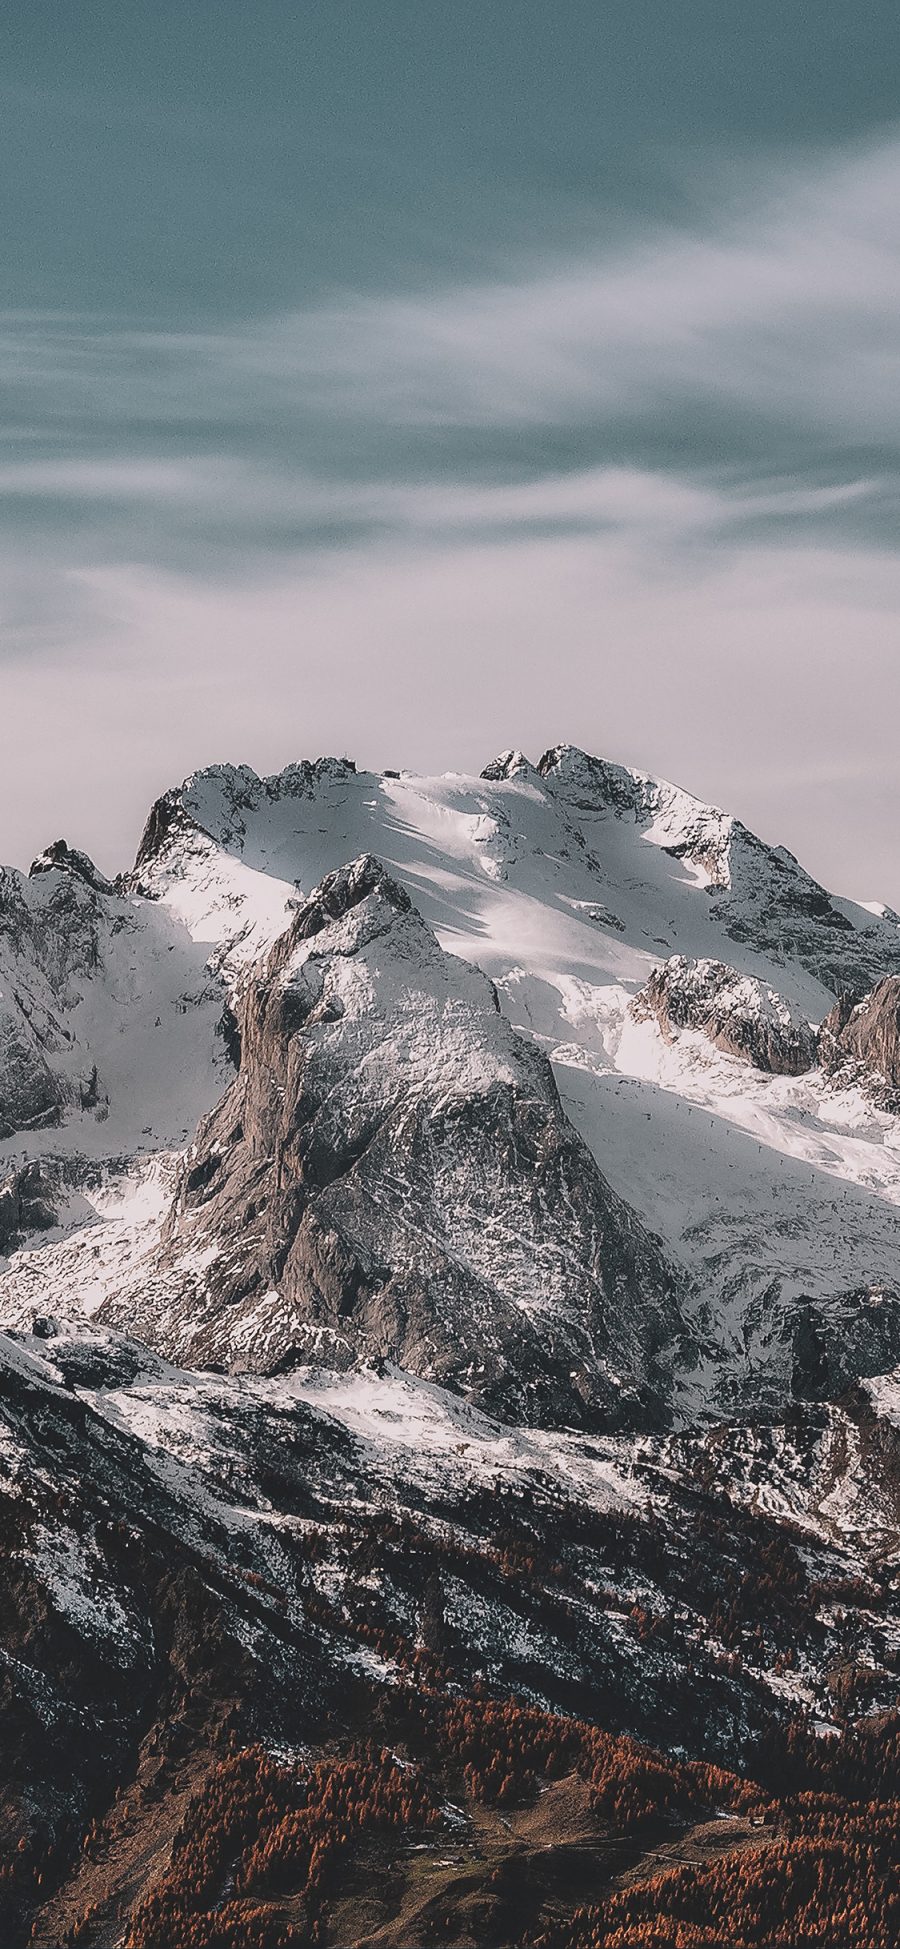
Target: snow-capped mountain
<point>449,1240</point>
<point>673,969</point>
<point>391,1176</point>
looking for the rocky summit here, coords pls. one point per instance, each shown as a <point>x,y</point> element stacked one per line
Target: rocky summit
<point>391,1176</point>
<point>449,1341</point>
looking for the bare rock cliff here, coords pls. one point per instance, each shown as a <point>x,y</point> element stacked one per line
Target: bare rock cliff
<point>391,1176</point>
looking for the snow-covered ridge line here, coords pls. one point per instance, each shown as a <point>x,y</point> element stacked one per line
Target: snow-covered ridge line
<point>570,884</point>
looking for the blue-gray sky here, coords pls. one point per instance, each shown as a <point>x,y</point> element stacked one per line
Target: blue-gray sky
<point>417,380</point>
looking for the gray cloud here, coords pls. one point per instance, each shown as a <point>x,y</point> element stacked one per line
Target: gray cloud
<point>793,305</point>
<point>769,305</point>
<point>776,295</point>
<point>645,498</point>
<point>766,680</point>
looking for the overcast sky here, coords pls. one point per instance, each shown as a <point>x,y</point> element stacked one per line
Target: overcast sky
<point>412,381</point>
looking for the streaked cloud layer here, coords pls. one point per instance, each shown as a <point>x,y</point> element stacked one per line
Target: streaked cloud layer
<point>634,480</point>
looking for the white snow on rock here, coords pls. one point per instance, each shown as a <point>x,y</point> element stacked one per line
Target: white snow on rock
<point>738,1012</point>
<point>108,1017</point>
<point>410,1426</point>
<point>567,883</point>
<point>113,1225</point>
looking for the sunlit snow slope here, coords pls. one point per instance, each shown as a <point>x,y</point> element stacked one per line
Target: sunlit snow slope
<point>569,883</point>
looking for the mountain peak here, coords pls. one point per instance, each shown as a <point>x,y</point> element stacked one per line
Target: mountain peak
<point>63,858</point>
<point>341,891</point>
<point>217,800</point>
<point>392,1176</point>
<point>509,764</point>
<point>428,944</point>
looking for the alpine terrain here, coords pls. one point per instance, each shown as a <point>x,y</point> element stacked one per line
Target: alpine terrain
<point>449,1375</point>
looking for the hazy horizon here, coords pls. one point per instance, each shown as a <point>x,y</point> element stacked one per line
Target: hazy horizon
<point>415,385</point>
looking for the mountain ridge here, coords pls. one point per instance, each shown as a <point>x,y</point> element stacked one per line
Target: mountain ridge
<point>563,881</point>
<point>450,1298</point>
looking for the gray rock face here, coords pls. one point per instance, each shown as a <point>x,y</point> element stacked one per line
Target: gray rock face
<point>739,1013</point>
<point>26,1205</point>
<point>58,933</point>
<point>43,944</point>
<point>31,1096</point>
<point>108,1009</point>
<point>856,1338</point>
<point>860,1041</point>
<point>391,1175</point>
<point>509,764</point>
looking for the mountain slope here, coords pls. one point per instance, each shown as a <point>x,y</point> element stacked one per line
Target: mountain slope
<point>391,1176</point>
<point>196,1562</point>
<point>554,1092</point>
<point>108,1016</point>
<point>571,884</point>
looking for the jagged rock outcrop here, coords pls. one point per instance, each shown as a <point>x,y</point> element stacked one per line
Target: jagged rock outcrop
<point>391,1175</point>
<point>856,1338</point>
<point>47,941</point>
<point>762,895</point>
<point>68,859</point>
<point>509,764</point>
<point>739,1013</point>
<point>217,802</point>
<point>31,1096</point>
<point>860,1042</point>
